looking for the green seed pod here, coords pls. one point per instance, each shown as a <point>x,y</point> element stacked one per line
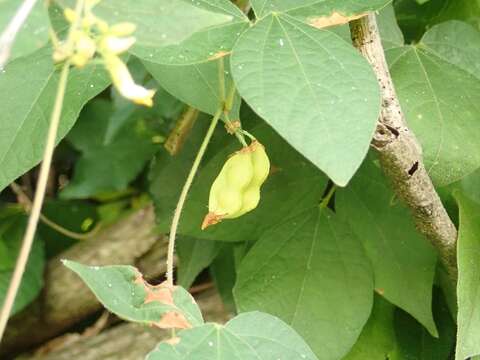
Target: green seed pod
<point>236,190</point>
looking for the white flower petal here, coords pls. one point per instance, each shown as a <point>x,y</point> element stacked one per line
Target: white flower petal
<point>117,45</point>
<point>123,82</point>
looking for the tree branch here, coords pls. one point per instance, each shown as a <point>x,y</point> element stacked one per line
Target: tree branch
<point>401,154</point>
<point>65,299</point>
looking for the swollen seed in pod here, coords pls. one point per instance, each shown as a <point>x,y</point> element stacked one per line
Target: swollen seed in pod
<point>239,170</point>
<point>236,190</point>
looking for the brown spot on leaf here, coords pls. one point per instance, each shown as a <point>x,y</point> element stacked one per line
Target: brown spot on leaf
<point>219,55</point>
<point>380,291</point>
<point>173,319</point>
<point>335,18</point>
<point>162,293</point>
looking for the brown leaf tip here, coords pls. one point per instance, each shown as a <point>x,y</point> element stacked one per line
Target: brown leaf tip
<point>335,18</point>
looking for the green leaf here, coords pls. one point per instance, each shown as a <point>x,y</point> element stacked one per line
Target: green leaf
<point>249,336</point>
<point>470,186</point>
<point>197,85</point>
<point>313,273</point>
<point>114,164</point>
<point>71,215</point>
<point>390,32</point>
<point>194,256</point>
<point>157,25</point>
<point>224,275</point>
<point>166,108</point>
<point>316,8</point>
<point>455,42</point>
<point>34,32</point>
<point>465,10</point>
<point>403,261</point>
<point>28,86</point>
<point>313,88</point>
<point>377,339</point>
<point>444,118</point>
<point>12,228</point>
<point>204,45</point>
<point>304,184</point>
<point>468,287</point>
<point>413,342</point>
<point>269,336</point>
<point>122,290</point>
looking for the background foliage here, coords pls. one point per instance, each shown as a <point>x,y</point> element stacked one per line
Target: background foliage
<point>351,280</point>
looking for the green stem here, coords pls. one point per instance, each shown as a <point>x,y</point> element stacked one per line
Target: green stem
<point>37,201</point>
<point>328,197</point>
<point>41,183</point>
<point>184,193</point>
<point>238,132</point>
<point>221,80</point>
<point>227,102</point>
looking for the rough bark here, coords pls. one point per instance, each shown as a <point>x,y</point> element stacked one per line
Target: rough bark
<point>401,154</point>
<point>127,341</point>
<point>65,299</point>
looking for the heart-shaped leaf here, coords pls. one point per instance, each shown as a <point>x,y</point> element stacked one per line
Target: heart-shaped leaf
<point>314,275</point>
<point>403,261</point>
<point>207,44</point>
<point>319,13</point>
<point>28,86</point>
<point>444,118</point>
<point>313,88</point>
<point>122,290</point>
<point>249,336</point>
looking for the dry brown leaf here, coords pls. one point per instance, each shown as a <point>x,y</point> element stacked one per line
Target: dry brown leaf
<point>171,320</point>
<point>335,18</point>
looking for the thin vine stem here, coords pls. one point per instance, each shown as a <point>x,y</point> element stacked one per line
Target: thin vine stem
<point>10,33</point>
<point>41,183</point>
<point>227,103</point>
<point>184,193</point>
<point>326,200</point>
<point>37,201</point>
<point>26,203</point>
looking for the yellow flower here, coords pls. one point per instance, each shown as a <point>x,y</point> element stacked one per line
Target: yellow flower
<point>84,49</point>
<point>70,15</point>
<point>124,83</point>
<point>122,29</point>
